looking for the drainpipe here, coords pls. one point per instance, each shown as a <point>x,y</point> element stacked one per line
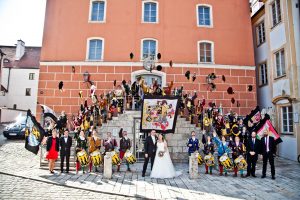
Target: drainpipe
<point>8,79</point>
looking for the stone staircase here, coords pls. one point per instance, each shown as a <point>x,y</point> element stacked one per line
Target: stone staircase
<point>130,121</point>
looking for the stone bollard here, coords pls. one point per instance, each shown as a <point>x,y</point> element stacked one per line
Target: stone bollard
<point>107,172</point>
<point>193,166</point>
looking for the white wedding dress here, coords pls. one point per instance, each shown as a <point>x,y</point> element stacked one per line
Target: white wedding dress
<point>163,166</point>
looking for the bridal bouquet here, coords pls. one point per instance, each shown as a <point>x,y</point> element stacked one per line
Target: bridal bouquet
<point>161,153</point>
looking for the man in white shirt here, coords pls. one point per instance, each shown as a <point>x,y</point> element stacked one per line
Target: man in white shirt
<point>268,149</point>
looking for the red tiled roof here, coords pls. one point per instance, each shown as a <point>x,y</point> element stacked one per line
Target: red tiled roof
<point>30,59</point>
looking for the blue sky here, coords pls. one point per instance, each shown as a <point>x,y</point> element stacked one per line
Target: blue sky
<point>22,19</point>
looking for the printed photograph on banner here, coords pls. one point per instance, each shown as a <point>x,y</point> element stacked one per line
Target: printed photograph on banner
<point>159,113</point>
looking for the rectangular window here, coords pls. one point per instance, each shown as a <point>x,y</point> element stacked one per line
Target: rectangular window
<point>31,76</point>
<point>260,33</point>
<point>95,49</point>
<point>263,74</point>
<point>98,9</point>
<point>204,16</point>
<point>280,63</point>
<point>276,12</point>
<point>205,52</point>
<point>149,49</point>
<point>28,92</point>
<point>150,12</point>
<point>287,119</point>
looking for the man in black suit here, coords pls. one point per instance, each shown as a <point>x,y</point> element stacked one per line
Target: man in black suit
<point>253,145</point>
<point>65,143</point>
<point>150,150</point>
<point>268,149</point>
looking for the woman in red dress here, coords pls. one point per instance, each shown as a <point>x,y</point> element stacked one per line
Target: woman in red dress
<point>52,150</point>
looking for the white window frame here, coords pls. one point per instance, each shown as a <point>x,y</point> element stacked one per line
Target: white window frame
<point>287,117</point>
<point>265,74</point>
<point>257,28</point>
<point>281,67</point>
<point>276,13</point>
<point>33,75</point>
<point>211,16</point>
<point>156,48</point>
<point>212,51</point>
<point>157,11</point>
<point>88,48</point>
<point>90,12</point>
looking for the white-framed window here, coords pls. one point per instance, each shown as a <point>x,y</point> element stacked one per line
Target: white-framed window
<point>280,63</point>
<point>276,12</point>
<point>149,48</point>
<point>150,11</point>
<point>28,92</point>
<point>263,74</point>
<point>95,49</point>
<point>287,119</point>
<point>97,11</point>
<point>204,15</point>
<point>205,51</point>
<point>31,76</point>
<point>260,33</point>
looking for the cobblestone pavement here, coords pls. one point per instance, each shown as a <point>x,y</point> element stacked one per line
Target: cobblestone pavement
<point>19,170</point>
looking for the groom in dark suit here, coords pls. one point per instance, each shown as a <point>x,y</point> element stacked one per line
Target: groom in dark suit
<point>65,143</point>
<point>150,150</point>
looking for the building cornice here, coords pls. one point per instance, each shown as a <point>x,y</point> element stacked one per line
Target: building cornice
<point>139,64</point>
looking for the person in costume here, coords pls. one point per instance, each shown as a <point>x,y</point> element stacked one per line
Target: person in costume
<point>119,93</point>
<point>238,149</point>
<point>110,144</point>
<point>223,147</point>
<point>81,144</point>
<point>193,143</point>
<point>94,144</point>
<point>52,150</point>
<point>208,149</point>
<point>125,144</point>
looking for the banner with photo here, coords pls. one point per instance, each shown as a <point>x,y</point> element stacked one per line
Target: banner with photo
<point>159,113</point>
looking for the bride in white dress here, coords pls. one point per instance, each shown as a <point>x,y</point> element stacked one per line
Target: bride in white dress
<point>163,166</point>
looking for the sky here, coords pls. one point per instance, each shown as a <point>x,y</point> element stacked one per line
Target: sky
<point>22,19</point>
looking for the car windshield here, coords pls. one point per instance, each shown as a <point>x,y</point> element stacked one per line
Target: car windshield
<point>20,120</point>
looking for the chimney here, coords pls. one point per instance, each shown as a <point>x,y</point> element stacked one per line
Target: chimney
<point>20,50</point>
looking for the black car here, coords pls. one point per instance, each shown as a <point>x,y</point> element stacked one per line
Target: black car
<point>15,129</point>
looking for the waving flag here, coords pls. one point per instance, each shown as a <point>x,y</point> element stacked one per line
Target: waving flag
<point>266,125</point>
<point>48,112</point>
<point>34,133</point>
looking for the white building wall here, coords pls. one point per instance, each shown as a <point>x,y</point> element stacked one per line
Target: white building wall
<point>19,81</point>
<point>277,37</point>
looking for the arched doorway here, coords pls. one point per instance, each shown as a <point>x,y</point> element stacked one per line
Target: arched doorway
<point>149,77</point>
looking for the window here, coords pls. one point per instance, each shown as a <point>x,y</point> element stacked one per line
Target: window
<point>276,12</point>
<point>149,48</point>
<point>95,49</point>
<point>260,33</point>
<point>28,92</point>
<point>150,12</point>
<point>263,74</point>
<point>287,119</point>
<point>204,15</point>
<point>31,76</point>
<point>280,63</point>
<point>97,11</point>
<point>205,51</point>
